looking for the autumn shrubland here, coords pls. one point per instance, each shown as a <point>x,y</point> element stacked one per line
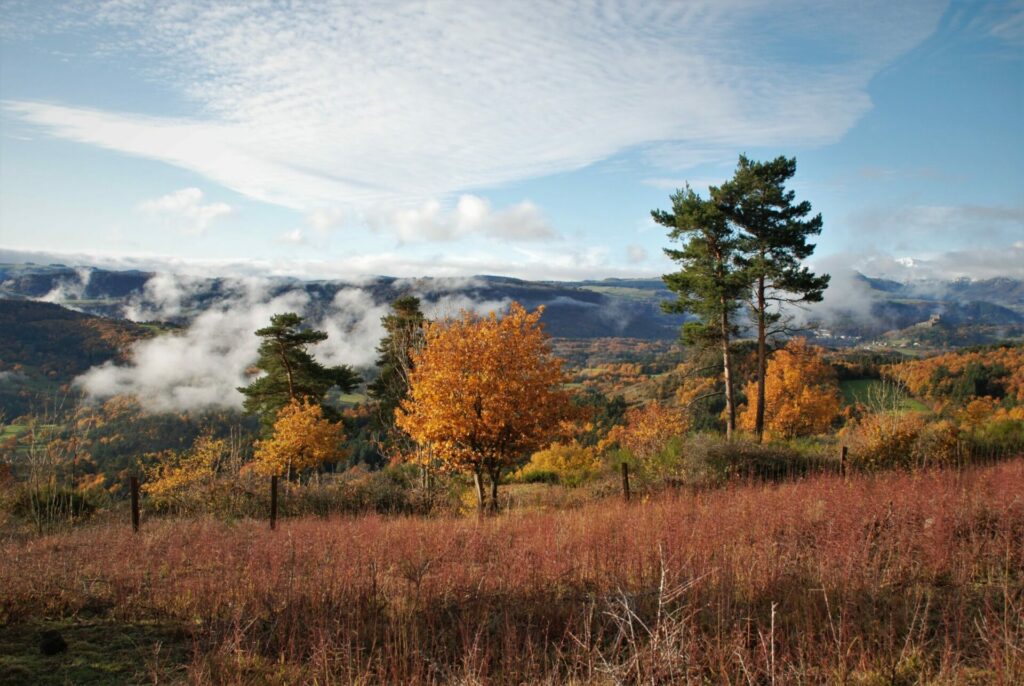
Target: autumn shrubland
<point>897,578</point>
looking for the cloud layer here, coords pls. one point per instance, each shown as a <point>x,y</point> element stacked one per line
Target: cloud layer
<point>318,105</point>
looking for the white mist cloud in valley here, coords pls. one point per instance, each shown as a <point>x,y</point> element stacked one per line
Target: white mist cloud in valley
<point>201,366</point>
<point>66,291</point>
<point>205,363</point>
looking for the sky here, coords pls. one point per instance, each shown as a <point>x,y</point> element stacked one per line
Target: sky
<point>528,138</point>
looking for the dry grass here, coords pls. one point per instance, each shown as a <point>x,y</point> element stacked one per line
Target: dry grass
<point>890,579</point>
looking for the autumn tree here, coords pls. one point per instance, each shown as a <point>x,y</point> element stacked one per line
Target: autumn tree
<point>709,283</point>
<point>648,429</point>
<point>772,232</point>
<point>403,328</point>
<point>303,438</point>
<point>801,390</point>
<point>484,393</point>
<point>172,477</point>
<point>290,374</point>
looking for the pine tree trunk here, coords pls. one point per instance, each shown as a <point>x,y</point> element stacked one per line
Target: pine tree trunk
<point>730,401</point>
<point>762,359</point>
<point>287,371</point>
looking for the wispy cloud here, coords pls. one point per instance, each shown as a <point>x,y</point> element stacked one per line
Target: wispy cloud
<point>471,216</point>
<point>949,224</point>
<point>317,105</point>
<point>184,210</point>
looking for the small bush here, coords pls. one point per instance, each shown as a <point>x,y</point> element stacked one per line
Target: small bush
<point>707,459</point>
<point>570,464</point>
<point>539,476</point>
<point>52,505</point>
<point>394,490</point>
<point>885,441</point>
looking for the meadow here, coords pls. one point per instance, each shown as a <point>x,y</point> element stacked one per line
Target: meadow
<point>891,578</point>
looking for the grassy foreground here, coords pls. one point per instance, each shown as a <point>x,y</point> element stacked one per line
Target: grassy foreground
<point>895,579</point>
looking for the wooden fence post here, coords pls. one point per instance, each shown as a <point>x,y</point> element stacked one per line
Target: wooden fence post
<point>273,502</point>
<point>625,481</point>
<point>134,486</point>
<point>842,462</point>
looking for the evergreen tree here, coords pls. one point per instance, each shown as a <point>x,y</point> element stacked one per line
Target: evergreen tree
<point>772,232</point>
<point>291,374</point>
<point>403,329</point>
<point>710,283</point>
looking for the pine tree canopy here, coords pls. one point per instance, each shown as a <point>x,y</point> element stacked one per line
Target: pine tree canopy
<point>290,373</point>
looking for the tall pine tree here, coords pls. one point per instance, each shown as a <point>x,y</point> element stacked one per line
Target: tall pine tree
<point>709,283</point>
<point>772,233</point>
<point>403,333</point>
<point>290,372</point>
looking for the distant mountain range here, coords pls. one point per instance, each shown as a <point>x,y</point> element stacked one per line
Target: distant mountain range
<point>867,308</point>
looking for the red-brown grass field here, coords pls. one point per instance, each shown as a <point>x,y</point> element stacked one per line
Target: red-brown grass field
<point>888,579</point>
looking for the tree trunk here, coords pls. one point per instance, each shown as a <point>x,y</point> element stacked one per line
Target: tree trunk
<point>478,482</point>
<point>762,359</point>
<point>287,370</point>
<point>495,480</point>
<point>730,401</point>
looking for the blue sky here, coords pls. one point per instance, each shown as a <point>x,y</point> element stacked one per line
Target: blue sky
<point>528,139</point>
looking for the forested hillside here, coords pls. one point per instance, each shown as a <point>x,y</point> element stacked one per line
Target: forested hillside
<point>44,346</point>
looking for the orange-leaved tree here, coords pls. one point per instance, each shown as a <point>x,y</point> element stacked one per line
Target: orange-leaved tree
<point>648,429</point>
<point>801,392</point>
<point>302,439</point>
<point>484,393</point>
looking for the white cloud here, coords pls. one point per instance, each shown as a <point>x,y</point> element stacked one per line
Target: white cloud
<point>315,105</point>
<point>557,263</point>
<point>471,216</point>
<point>184,210</point>
<point>636,254</point>
<point>66,291</point>
<point>295,237</point>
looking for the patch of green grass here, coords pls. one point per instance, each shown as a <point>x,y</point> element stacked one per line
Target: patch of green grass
<point>870,391</point>
<point>99,652</point>
<point>12,430</point>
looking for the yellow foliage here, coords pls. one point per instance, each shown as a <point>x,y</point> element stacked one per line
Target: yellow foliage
<point>886,440</point>
<point>801,393</point>
<point>693,387</point>
<point>976,412</point>
<point>572,462</point>
<point>648,429</point>
<point>302,439</point>
<point>484,392</point>
<point>174,474</point>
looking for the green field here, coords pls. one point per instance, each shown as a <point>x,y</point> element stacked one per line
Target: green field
<point>872,392</point>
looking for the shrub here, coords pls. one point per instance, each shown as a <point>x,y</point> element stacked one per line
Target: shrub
<point>538,476</point>
<point>902,441</point>
<point>52,505</point>
<point>394,490</point>
<point>570,464</point>
<point>997,437</point>
<point>707,459</point>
